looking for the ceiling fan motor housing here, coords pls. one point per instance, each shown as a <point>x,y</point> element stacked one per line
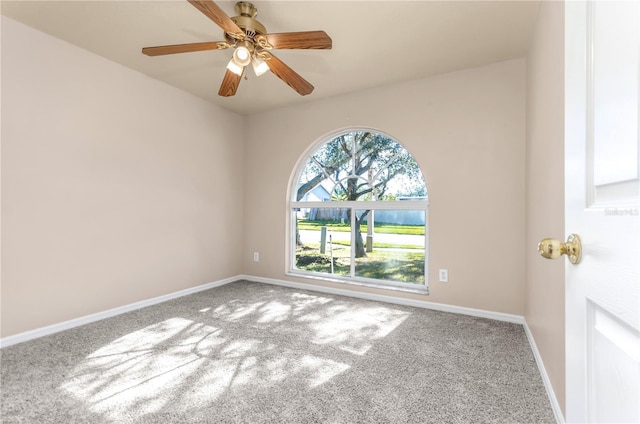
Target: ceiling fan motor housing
<point>246,20</point>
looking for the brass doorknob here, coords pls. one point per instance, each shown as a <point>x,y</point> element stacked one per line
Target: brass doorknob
<point>553,249</point>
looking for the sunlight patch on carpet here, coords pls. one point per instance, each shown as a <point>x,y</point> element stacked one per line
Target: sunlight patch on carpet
<point>184,362</point>
<point>354,330</point>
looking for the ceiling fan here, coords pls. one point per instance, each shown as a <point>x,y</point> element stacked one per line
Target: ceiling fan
<point>252,45</point>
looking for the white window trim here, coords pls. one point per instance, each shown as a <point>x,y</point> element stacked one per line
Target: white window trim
<point>290,257</point>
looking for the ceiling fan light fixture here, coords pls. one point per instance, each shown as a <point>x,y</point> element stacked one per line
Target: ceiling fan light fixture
<point>234,67</point>
<point>259,66</point>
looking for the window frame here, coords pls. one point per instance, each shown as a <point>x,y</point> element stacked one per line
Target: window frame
<point>354,206</point>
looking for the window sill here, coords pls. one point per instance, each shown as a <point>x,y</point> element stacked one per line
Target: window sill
<point>418,289</point>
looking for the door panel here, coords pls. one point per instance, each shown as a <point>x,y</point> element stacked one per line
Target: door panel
<point>602,42</point>
<point>612,103</point>
<point>612,363</point>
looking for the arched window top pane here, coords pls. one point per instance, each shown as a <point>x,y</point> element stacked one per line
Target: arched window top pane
<point>360,165</point>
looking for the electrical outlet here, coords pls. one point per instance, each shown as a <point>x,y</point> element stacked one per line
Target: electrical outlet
<point>256,257</point>
<point>444,275</point>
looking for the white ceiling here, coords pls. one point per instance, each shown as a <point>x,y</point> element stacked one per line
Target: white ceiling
<point>374,42</point>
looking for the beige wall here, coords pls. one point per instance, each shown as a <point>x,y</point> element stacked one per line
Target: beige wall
<point>467,131</point>
<point>115,187</point>
<point>544,294</point>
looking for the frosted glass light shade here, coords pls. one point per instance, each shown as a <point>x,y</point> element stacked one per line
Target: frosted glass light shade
<point>234,67</point>
<point>259,66</point>
<point>242,56</point>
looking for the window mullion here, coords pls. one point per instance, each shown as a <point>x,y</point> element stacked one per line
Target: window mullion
<point>379,204</point>
<point>352,271</point>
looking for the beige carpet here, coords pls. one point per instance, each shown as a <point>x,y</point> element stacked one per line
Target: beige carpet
<point>255,353</point>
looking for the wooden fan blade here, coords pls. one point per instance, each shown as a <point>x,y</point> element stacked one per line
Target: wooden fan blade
<point>185,48</point>
<point>297,40</point>
<point>217,15</point>
<point>230,84</point>
<point>288,75</point>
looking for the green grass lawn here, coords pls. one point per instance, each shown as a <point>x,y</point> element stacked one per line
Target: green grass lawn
<point>377,245</point>
<point>406,267</point>
<point>400,266</point>
<point>380,227</point>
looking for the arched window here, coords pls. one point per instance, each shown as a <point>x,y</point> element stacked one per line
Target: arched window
<point>359,211</point>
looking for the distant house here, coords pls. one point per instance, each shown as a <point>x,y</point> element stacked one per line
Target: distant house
<point>318,194</point>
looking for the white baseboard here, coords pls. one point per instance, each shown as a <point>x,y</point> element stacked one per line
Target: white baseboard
<point>545,377</point>
<point>498,316</point>
<point>66,325</point>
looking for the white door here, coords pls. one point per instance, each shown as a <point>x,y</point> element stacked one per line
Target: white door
<point>602,41</point>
